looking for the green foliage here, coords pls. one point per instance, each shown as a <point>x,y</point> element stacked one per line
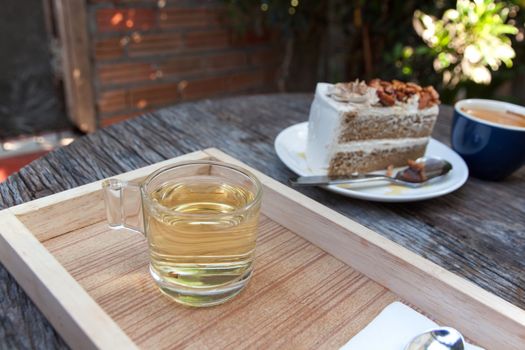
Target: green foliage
<point>468,40</point>
<point>453,45</point>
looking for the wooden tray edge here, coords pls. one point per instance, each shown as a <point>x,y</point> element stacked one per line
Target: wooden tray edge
<point>497,322</point>
<point>79,191</point>
<point>488,319</point>
<point>56,293</point>
<point>63,300</point>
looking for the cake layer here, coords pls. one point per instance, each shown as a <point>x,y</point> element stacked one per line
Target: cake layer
<point>363,125</point>
<point>366,156</point>
<point>353,130</point>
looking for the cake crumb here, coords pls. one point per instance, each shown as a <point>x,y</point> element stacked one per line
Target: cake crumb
<point>390,170</point>
<point>415,172</point>
<point>415,165</point>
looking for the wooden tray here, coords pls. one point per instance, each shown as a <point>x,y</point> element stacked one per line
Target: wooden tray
<point>319,279</point>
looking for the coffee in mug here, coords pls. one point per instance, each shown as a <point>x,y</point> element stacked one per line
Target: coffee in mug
<point>497,116</point>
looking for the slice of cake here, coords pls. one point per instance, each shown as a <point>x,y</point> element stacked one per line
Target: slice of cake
<point>362,127</point>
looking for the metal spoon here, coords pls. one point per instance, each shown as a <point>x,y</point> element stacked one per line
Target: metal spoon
<point>444,338</point>
<point>432,167</point>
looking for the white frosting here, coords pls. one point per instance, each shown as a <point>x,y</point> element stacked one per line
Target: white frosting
<point>412,105</point>
<point>378,145</point>
<point>325,120</point>
<point>356,92</point>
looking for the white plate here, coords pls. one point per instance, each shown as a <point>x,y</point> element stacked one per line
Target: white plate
<point>290,146</point>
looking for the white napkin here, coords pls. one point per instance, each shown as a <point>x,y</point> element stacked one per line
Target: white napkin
<point>392,329</point>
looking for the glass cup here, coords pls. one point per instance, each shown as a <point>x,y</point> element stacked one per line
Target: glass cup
<point>200,219</point>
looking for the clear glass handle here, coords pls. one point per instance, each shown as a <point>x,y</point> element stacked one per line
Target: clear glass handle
<point>123,205</point>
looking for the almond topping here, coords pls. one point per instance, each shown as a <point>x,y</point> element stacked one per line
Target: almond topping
<point>386,99</point>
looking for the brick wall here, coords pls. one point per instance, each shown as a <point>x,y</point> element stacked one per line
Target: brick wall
<point>148,54</point>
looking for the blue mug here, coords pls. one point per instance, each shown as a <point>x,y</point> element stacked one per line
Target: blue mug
<point>491,150</point>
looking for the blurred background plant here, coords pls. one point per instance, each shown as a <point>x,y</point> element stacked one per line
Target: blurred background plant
<point>469,41</point>
<point>465,48</point>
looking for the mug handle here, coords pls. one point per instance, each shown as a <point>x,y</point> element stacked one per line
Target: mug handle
<point>123,205</point>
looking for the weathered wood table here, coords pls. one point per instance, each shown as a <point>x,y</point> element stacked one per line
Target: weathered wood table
<point>477,232</point>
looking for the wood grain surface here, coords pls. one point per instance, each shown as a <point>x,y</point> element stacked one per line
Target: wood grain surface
<point>478,232</point>
<point>300,295</point>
